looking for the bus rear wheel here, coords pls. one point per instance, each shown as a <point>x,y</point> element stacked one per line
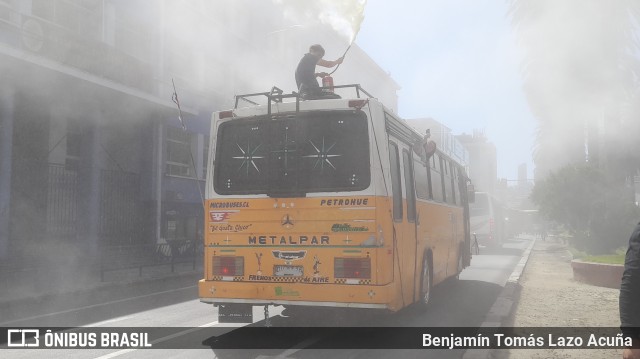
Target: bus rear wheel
<point>425,282</point>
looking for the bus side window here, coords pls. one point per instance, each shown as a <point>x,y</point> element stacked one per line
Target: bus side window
<point>409,185</point>
<point>396,186</point>
<point>455,184</point>
<point>430,166</point>
<point>448,177</point>
<point>440,163</point>
<point>436,179</point>
<point>452,180</point>
<point>422,179</point>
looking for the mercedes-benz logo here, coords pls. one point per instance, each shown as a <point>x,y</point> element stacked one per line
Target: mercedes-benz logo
<point>287,222</point>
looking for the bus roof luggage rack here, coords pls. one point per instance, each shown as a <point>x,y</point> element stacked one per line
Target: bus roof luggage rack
<point>356,87</point>
<point>277,95</point>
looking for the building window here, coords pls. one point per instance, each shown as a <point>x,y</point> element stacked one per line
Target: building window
<point>82,17</point>
<point>43,8</point>
<point>178,153</point>
<point>181,229</point>
<point>6,11</point>
<point>74,145</point>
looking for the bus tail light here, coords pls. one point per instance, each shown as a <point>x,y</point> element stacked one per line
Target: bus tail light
<point>357,104</point>
<point>225,114</point>
<point>228,266</point>
<point>352,268</point>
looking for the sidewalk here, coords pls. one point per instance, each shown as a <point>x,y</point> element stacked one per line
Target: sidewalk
<point>65,291</point>
<point>549,297</point>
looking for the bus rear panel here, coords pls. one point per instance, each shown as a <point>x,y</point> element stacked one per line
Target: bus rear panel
<point>304,207</point>
<point>291,217</point>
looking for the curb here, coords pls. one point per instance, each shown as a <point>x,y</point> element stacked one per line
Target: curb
<point>502,309</point>
<point>598,274</point>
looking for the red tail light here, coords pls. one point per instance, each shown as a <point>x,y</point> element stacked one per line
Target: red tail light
<point>352,268</point>
<point>228,266</point>
<point>357,103</point>
<point>225,114</point>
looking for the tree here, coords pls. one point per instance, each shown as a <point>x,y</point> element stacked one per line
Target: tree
<point>587,201</point>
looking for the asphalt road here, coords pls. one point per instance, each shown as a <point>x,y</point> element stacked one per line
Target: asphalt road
<point>462,303</point>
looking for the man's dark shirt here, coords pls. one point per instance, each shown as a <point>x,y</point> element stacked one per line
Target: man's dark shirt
<point>630,288</point>
<point>306,72</point>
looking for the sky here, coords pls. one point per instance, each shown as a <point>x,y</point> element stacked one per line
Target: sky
<point>458,62</point>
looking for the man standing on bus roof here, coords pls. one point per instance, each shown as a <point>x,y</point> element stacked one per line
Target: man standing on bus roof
<point>306,73</point>
<point>630,296</point>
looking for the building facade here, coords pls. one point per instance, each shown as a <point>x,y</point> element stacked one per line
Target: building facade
<point>92,152</point>
<point>483,162</point>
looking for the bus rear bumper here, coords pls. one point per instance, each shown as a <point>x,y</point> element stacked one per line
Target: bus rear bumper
<point>299,294</point>
<point>293,302</point>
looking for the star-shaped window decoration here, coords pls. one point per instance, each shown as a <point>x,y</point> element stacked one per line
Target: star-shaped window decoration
<point>322,155</point>
<point>248,157</point>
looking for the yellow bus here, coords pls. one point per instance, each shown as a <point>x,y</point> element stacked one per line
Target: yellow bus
<point>328,203</point>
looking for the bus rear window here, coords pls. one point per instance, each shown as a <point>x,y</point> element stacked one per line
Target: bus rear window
<point>324,151</point>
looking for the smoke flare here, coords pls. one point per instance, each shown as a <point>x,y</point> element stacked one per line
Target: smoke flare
<point>344,16</point>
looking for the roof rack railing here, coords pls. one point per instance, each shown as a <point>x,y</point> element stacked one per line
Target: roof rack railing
<point>356,87</point>
<point>277,95</point>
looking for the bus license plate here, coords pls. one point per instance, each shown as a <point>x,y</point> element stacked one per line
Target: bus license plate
<point>287,271</point>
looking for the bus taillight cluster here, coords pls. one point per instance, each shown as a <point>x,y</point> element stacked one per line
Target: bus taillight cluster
<point>352,268</point>
<point>228,266</point>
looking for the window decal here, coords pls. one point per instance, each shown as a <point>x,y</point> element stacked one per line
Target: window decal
<point>322,155</point>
